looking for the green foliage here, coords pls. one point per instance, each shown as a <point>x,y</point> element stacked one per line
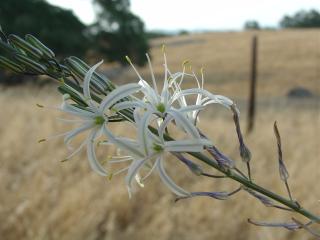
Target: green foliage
<point>183,32</point>
<point>251,25</point>
<point>58,28</point>
<point>157,34</point>
<point>302,19</point>
<point>119,32</point>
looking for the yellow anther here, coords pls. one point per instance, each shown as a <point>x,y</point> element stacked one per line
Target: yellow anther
<point>128,59</point>
<point>110,176</point>
<point>185,62</point>
<point>42,140</point>
<point>202,70</point>
<point>39,105</point>
<point>163,48</point>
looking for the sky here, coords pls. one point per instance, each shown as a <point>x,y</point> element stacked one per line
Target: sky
<point>197,15</point>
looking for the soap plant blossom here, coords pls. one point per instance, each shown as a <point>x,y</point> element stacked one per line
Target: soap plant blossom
<point>92,117</point>
<point>94,102</point>
<point>150,149</point>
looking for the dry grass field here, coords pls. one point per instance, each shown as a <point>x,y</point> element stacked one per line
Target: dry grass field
<point>42,198</point>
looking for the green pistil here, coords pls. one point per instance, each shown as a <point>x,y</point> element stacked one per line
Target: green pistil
<point>161,107</point>
<point>157,148</point>
<point>99,120</point>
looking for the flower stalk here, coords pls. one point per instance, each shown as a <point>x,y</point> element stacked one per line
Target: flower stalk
<point>94,101</point>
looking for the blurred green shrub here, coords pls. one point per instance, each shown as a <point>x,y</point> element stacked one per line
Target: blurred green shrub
<point>302,19</point>
<point>119,32</point>
<point>58,28</point>
<point>252,25</point>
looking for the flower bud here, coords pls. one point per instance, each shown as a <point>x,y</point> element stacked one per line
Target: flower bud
<point>8,64</point>
<point>25,46</point>
<point>31,65</point>
<point>47,53</point>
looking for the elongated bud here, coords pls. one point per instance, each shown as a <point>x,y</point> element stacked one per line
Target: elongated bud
<point>80,69</point>
<point>47,53</point>
<point>104,80</point>
<point>265,200</point>
<point>307,228</point>
<point>194,168</point>
<point>73,95</point>
<point>284,175</point>
<point>25,46</point>
<point>289,225</point>
<point>222,160</point>
<point>31,65</point>
<point>215,195</point>
<point>8,64</point>
<point>244,150</point>
<point>7,47</point>
<point>245,153</point>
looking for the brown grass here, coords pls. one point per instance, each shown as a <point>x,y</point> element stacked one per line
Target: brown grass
<point>42,198</point>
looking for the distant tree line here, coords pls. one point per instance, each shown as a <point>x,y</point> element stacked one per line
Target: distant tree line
<point>118,32</point>
<point>301,19</point>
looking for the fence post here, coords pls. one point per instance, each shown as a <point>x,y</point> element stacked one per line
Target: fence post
<point>253,80</point>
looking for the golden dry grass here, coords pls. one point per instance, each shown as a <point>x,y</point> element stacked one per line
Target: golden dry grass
<point>42,198</point>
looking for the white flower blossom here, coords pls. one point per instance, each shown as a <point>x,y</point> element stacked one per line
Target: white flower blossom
<point>93,117</point>
<point>150,149</point>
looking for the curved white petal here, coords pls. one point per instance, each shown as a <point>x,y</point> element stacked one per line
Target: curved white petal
<point>191,108</point>
<point>118,94</point>
<point>143,132</point>
<point>163,126</point>
<point>93,161</point>
<point>68,108</point>
<point>72,134</point>
<point>128,145</point>
<point>149,93</point>
<point>220,99</point>
<point>134,170</point>
<point>184,123</point>
<point>86,83</point>
<point>169,182</point>
<point>128,104</point>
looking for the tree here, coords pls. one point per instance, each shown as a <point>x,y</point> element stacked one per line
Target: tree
<point>302,19</point>
<point>251,25</point>
<point>58,28</point>
<point>119,32</point>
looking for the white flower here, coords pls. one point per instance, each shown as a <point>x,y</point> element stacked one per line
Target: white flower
<point>159,103</point>
<point>150,149</point>
<point>93,117</point>
<point>172,97</point>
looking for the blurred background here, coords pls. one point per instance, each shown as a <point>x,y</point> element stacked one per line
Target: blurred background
<point>263,55</point>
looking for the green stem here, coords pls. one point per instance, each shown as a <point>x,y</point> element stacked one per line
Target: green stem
<point>247,183</point>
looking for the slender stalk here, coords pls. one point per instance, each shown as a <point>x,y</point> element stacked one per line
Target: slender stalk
<point>258,188</point>
<point>249,184</point>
